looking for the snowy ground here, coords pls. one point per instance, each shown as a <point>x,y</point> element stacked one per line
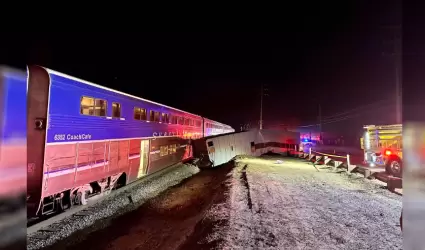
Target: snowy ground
<point>293,206</point>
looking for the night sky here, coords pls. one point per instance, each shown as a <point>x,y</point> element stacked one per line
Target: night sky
<point>336,56</point>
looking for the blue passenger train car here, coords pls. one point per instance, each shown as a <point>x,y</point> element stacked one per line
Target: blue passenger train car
<point>90,139</point>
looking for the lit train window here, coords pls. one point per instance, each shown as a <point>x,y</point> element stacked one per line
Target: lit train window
<point>173,119</point>
<point>163,150</point>
<point>92,106</point>
<point>139,114</point>
<point>181,120</point>
<point>191,122</point>
<point>116,110</point>
<point>143,114</point>
<point>86,105</point>
<point>156,116</point>
<point>186,122</point>
<point>171,149</point>
<point>99,107</point>
<point>165,118</point>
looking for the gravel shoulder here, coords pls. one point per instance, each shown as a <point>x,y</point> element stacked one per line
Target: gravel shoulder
<point>72,228</point>
<point>291,205</point>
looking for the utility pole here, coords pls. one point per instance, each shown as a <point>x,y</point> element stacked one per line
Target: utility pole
<point>263,90</point>
<point>261,107</point>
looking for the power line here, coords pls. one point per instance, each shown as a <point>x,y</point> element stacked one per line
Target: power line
<point>343,118</point>
<point>357,108</point>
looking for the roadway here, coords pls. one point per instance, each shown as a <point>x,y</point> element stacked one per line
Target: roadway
<point>266,202</point>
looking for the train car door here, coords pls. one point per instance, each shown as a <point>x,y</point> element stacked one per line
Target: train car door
<point>144,158</point>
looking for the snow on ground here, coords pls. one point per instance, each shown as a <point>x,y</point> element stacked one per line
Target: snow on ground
<point>290,205</point>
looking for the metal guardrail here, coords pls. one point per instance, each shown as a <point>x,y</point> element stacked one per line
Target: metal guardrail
<point>340,161</point>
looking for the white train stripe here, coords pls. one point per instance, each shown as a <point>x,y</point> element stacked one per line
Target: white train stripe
<point>107,140</point>
<point>134,156</point>
<point>72,170</point>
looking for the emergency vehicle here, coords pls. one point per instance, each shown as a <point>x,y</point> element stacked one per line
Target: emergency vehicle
<point>382,146</point>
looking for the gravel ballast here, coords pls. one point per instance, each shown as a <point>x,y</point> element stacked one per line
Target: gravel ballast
<point>123,201</point>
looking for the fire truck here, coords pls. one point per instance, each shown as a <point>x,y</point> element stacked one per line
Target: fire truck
<point>382,146</point>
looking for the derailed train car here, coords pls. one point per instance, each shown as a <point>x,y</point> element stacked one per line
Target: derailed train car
<point>216,150</point>
<point>87,139</point>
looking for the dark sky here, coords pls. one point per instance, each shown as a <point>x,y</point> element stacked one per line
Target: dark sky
<point>330,55</point>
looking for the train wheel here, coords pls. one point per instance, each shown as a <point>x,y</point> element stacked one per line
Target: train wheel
<point>67,201</point>
<point>78,199</point>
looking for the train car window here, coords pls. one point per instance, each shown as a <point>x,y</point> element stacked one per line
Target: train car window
<point>186,121</point>
<point>163,150</point>
<point>165,118</point>
<point>198,123</point>
<point>116,110</point>
<point>136,113</point>
<point>151,115</point>
<point>143,114</point>
<point>174,120</point>
<point>157,116</point>
<point>92,106</point>
<point>99,107</point>
<point>139,114</point>
<point>172,148</point>
<point>87,106</point>
<point>191,122</point>
<point>181,120</point>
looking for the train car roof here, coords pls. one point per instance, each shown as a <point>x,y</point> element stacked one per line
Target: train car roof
<point>50,71</point>
<point>217,122</point>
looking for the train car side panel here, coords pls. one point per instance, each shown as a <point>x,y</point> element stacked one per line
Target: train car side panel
<point>60,168</point>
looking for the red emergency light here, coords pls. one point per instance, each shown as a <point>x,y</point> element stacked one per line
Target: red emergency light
<point>388,152</point>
